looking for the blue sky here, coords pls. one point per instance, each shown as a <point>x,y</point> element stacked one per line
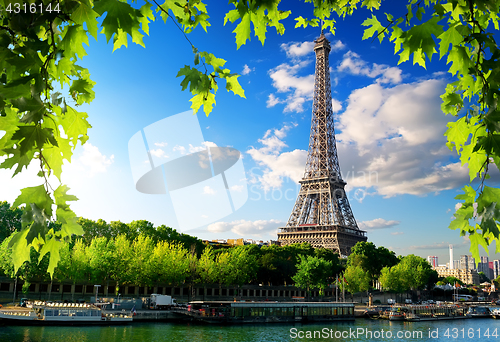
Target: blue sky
<point>401,177</point>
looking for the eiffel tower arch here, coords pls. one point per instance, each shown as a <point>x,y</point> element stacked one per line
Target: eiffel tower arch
<point>322,215</point>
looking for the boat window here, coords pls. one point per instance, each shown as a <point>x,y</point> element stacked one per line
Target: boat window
<point>49,312</point>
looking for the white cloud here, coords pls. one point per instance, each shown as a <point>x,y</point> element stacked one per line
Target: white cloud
<point>246,228</point>
<point>94,160</point>
<point>161,144</point>
<point>397,233</point>
<point>159,153</point>
<point>272,101</point>
<point>442,245</point>
<point>378,223</point>
<point>286,79</point>
<point>277,164</point>
<point>294,50</point>
<point>237,188</point>
<point>207,190</point>
<point>353,64</point>
<point>337,45</point>
<point>181,149</point>
<point>247,70</point>
<point>203,147</point>
<point>336,105</point>
<point>392,139</point>
<point>194,149</point>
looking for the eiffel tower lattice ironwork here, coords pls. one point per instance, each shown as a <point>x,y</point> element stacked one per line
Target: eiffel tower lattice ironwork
<point>322,215</point>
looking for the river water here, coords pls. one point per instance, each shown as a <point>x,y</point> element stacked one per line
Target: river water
<point>486,329</point>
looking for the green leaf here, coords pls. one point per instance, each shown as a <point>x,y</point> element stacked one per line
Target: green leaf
<point>207,100</point>
<point>191,75</point>
<point>120,39</point>
<point>85,14</point>
<point>233,85</point>
<point>33,137</point>
<point>477,239</point>
<point>119,16</point>
<point>476,164</point>
<point>147,16</point>
<point>17,158</point>
<point>72,43</point>
<point>450,36</point>
<point>52,246</point>
<point>458,132</point>
<point>374,26</point>
<point>371,4</point>
<point>420,40</point>
<point>37,195</point>
<point>242,30</point>
<point>75,125</point>
<point>20,249</point>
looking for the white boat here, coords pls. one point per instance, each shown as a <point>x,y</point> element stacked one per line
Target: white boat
<point>42,313</point>
<point>495,313</point>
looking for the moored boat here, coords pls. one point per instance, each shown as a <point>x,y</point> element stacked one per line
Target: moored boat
<point>495,313</point>
<point>479,312</point>
<point>398,313</point>
<point>228,312</point>
<point>43,313</point>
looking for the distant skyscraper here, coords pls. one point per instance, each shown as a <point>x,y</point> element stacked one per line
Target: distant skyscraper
<point>433,260</point>
<point>484,266</point>
<point>464,262</point>
<point>472,263</point>
<point>496,268</point>
<point>451,257</point>
<point>490,269</point>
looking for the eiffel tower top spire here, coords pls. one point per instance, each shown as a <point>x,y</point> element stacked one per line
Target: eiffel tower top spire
<point>322,215</point>
<point>322,160</point>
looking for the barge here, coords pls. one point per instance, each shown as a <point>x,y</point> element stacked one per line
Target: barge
<point>227,312</point>
<point>416,313</point>
<point>48,313</point>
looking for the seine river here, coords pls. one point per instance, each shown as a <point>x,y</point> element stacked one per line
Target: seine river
<point>360,330</point>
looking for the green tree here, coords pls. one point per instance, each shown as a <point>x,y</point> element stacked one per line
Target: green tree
<point>483,278</point>
<point>415,271</point>
<point>312,272</point>
<point>40,50</point>
<point>391,278</point>
<point>371,258</point>
<point>94,229</point>
<point>357,280</point>
<point>10,220</point>
<point>100,255</point>
<point>142,269</point>
<point>206,269</point>
<point>452,281</point>
<point>171,263</point>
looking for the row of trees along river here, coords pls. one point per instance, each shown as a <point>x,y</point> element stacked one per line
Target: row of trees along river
<point>140,254</point>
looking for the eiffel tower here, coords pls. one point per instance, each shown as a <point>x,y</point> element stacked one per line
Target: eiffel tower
<point>322,215</point>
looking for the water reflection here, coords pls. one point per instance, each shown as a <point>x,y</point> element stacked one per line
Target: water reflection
<point>360,330</point>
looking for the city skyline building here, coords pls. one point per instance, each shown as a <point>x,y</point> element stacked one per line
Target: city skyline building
<point>451,257</point>
<point>433,260</point>
<point>496,268</point>
<point>464,262</point>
